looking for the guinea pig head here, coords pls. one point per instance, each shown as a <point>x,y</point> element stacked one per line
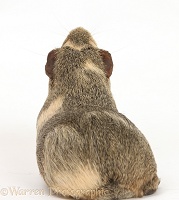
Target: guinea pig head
<point>105,55</point>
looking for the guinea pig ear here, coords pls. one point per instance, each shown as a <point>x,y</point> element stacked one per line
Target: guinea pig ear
<point>108,63</point>
<point>50,63</point>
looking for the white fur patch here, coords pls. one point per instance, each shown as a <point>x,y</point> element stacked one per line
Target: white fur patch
<point>49,112</point>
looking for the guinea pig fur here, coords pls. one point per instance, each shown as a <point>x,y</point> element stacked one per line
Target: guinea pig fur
<point>86,149</point>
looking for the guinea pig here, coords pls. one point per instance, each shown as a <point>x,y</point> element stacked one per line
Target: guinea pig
<point>86,149</point>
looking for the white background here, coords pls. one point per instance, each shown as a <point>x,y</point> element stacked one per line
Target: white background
<point>143,38</point>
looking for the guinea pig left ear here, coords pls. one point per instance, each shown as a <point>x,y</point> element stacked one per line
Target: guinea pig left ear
<point>108,63</point>
<point>50,63</point>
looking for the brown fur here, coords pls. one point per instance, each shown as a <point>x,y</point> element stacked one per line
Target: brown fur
<point>85,148</point>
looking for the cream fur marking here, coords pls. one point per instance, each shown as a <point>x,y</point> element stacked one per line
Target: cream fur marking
<point>67,182</point>
<point>83,179</point>
<point>72,45</point>
<point>49,112</point>
<point>90,66</point>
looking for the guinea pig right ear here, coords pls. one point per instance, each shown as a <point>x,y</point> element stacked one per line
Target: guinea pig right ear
<point>108,63</point>
<point>50,63</point>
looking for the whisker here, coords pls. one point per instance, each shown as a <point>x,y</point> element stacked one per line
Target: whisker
<point>103,31</point>
<point>34,52</point>
<point>61,24</point>
<point>116,51</point>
